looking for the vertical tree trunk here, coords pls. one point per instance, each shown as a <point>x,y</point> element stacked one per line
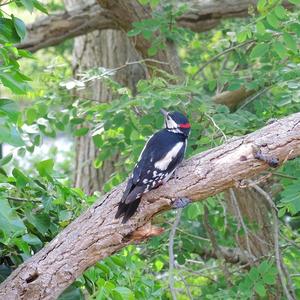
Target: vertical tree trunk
<point>108,49</point>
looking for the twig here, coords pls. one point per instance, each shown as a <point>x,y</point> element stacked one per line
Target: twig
<point>21,199</point>
<point>290,294</point>
<point>171,253</point>
<point>190,234</point>
<point>252,98</point>
<point>215,125</point>
<point>266,196</point>
<point>285,176</point>
<point>214,58</point>
<point>186,287</point>
<point>290,241</point>
<point>6,3</point>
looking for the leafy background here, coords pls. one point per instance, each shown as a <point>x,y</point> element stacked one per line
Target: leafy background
<point>38,115</point>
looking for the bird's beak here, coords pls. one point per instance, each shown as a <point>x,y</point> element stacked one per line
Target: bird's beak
<point>164,112</point>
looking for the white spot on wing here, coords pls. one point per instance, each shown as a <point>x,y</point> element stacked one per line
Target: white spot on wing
<point>166,160</point>
<point>145,181</point>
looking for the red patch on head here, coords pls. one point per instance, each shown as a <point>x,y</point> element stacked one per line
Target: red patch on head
<point>187,125</point>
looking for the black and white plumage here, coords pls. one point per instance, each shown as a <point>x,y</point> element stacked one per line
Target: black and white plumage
<point>163,152</point>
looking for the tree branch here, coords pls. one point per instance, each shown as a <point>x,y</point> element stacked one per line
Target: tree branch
<point>96,234</point>
<point>57,27</point>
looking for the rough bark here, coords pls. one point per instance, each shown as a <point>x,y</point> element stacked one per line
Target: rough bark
<point>96,234</point>
<point>59,26</point>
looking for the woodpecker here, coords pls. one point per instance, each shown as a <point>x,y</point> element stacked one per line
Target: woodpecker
<point>162,153</point>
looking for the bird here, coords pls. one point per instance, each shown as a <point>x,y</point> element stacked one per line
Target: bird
<point>161,155</point>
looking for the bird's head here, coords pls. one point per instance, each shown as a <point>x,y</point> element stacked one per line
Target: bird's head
<point>176,122</point>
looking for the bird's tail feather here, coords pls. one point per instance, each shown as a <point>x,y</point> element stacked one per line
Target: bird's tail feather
<point>127,210</point>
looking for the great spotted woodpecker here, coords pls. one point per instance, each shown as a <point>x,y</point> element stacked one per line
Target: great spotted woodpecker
<point>163,152</point>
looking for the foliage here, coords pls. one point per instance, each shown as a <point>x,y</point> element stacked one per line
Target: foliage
<point>37,200</point>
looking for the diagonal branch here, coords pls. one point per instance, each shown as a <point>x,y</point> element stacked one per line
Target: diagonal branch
<point>96,234</point>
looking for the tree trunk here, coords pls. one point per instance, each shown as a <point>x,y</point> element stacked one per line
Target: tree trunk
<point>96,234</point>
<point>257,241</point>
<point>108,49</point>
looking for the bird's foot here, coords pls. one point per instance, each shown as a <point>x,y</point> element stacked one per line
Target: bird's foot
<point>180,202</point>
<point>273,162</point>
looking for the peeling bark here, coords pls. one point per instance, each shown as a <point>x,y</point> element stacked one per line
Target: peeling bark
<point>96,234</point>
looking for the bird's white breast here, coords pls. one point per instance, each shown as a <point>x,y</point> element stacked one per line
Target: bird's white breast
<point>163,163</point>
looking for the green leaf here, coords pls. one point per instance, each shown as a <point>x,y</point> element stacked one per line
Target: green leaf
<point>154,3</point>
<point>242,36</point>
<point>269,278</point>
<point>10,108</point>
<point>124,292</point>
<point>72,293</point>
<point>260,27</point>
<point>253,274</point>
<point>9,220</point>
<point>290,41</point>
<point>158,265</point>
<point>11,135</point>
<point>260,289</point>
<point>5,160</point>
<point>20,27</point>
<point>280,49</point>
<point>41,221</point>
<point>261,5</point>
<point>38,5</point>
<point>264,267</point>
<point>281,212</point>
<point>8,31</point>
<point>259,50</point>
<point>81,131</point>
<point>295,1</point>
<point>295,27</point>
<point>25,53</point>
<point>31,239</point>
<point>280,12</point>
<point>20,177</point>
<point>28,4</point>
<point>152,51</point>
<point>45,167</point>
<point>133,32</point>
<point>31,115</point>
<point>14,82</point>
<point>272,20</point>
<point>193,211</point>
<point>4,272</point>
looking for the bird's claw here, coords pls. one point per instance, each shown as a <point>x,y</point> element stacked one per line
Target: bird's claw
<point>180,202</point>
